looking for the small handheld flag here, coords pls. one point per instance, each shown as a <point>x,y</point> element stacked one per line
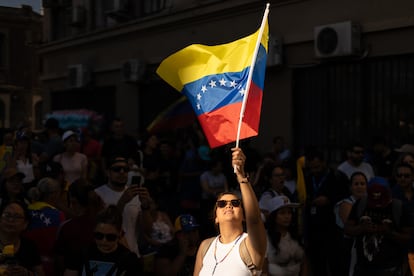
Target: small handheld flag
<point>223,83</point>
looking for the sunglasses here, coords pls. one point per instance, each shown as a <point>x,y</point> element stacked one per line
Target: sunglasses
<point>233,202</point>
<point>119,169</point>
<point>109,237</point>
<point>9,216</point>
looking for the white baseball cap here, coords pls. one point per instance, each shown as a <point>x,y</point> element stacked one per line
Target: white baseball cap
<point>278,202</point>
<point>68,134</point>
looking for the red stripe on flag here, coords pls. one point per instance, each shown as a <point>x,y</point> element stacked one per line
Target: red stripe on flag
<point>220,126</point>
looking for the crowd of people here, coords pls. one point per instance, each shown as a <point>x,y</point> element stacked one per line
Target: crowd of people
<point>72,203</point>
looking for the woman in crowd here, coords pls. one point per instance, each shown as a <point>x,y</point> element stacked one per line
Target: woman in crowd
<point>23,159</point>
<point>285,254</point>
<point>222,256</point>
<point>74,163</point>
<point>342,209</point>
<point>158,232</point>
<point>106,256</point>
<point>275,177</point>
<point>23,260</point>
<point>12,186</point>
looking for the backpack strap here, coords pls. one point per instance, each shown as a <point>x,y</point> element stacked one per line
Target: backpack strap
<point>206,246</point>
<point>362,205</point>
<point>396,211</point>
<point>247,259</point>
<point>244,254</point>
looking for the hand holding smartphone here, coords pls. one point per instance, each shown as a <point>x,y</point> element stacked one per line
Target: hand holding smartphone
<point>136,180</point>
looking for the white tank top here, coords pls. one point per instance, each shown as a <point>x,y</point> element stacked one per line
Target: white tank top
<point>232,265</point>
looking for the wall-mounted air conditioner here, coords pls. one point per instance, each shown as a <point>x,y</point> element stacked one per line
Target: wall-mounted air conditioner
<point>338,39</point>
<point>78,75</point>
<point>133,70</point>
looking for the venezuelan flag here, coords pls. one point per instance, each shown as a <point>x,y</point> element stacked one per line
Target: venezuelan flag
<point>214,79</point>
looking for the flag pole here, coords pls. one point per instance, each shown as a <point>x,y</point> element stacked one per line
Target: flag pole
<point>249,77</point>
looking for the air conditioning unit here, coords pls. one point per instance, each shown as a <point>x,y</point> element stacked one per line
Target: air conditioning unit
<point>275,51</point>
<point>78,16</point>
<point>79,75</point>
<point>133,70</point>
<point>339,39</point>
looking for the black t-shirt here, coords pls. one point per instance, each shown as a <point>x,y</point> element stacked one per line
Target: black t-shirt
<point>93,262</point>
<point>375,250</point>
<point>27,255</point>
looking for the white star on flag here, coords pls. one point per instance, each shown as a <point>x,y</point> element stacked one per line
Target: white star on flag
<point>212,83</point>
<point>47,221</point>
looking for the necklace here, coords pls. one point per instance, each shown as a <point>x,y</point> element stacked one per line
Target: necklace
<point>225,256</point>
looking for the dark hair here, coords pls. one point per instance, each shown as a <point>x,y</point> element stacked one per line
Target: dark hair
<point>274,234</point>
<point>220,195</point>
<point>278,138</point>
<point>404,165</point>
<point>52,123</point>
<point>354,144</point>
<point>80,190</point>
<point>18,202</point>
<point>313,153</point>
<point>351,178</point>
<point>110,215</point>
<point>4,193</point>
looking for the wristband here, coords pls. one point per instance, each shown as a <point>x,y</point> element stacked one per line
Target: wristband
<point>244,180</point>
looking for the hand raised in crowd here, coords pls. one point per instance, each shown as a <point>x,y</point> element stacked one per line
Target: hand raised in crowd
<point>144,197</point>
<point>238,162</point>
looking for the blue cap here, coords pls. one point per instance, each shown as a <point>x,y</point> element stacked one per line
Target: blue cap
<point>185,223</point>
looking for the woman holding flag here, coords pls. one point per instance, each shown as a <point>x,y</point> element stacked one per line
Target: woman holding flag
<point>223,255</point>
<point>219,81</point>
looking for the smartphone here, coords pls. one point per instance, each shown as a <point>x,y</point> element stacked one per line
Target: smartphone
<point>136,180</point>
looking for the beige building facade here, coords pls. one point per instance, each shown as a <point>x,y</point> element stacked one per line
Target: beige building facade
<point>20,95</point>
<point>102,55</point>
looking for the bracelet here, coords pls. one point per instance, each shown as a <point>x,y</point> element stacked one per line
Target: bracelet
<point>244,180</point>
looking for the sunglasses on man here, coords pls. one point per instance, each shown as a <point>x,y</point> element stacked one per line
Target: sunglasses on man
<point>109,237</point>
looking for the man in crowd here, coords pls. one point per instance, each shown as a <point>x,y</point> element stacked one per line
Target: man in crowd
<point>131,200</point>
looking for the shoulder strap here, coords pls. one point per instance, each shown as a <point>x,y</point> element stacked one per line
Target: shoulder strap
<point>396,211</point>
<point>206,246</point>
<point>247,259</point>
<point>244,254</point>
<point>362,204</point>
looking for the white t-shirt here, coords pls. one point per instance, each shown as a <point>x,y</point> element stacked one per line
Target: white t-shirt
<point>288,260</point>
<point>364,167</point>
<point>232,265</point>
<point>27,169</point>
<point>129,214</point>
<point>213,180</point>
<point>73,166</point>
